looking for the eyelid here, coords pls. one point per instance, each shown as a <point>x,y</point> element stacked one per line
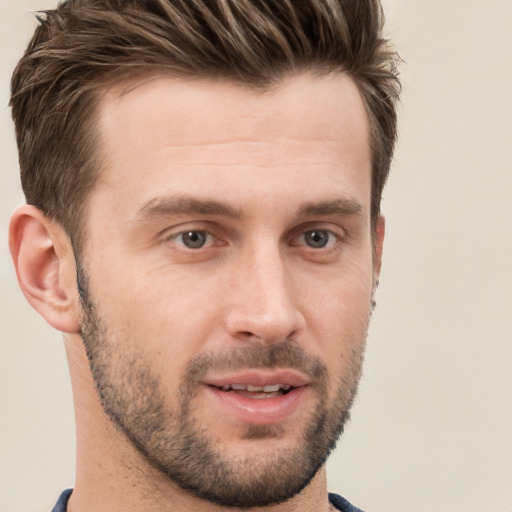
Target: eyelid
<point>338,232</point>
<point>170,235</point>
<point>334,238</point>
<point>208,243</point>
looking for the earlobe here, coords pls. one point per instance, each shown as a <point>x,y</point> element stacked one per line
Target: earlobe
<point>45,266</point>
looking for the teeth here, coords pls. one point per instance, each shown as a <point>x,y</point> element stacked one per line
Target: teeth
<point>256,389</point>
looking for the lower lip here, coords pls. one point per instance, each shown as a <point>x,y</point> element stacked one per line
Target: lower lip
<point>259,411</point>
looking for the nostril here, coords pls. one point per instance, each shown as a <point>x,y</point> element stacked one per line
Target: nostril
<point>248,324</point>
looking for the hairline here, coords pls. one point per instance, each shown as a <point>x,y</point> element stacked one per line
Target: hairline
<point>122,83</point>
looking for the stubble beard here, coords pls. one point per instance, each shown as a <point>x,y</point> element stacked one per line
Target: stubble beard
<point>173,442</point>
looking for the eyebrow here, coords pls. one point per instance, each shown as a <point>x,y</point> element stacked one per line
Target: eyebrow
<point>182,205</point>
<point>345,207</point>
<point>159,207</point>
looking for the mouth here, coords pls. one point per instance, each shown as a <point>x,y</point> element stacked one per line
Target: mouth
<point>258,397</point>
<point>257,392</point>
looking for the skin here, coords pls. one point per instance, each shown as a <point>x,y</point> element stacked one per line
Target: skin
<point>282,163</point>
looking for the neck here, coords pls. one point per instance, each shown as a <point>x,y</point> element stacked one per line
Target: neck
<point>112,475</point>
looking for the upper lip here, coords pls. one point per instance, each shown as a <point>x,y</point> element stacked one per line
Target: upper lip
<point>259,378</point>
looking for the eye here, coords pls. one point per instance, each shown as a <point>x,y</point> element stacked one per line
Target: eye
<point>193,239</point>
<point>318,238</point>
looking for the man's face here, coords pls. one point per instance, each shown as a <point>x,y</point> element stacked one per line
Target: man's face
<point>227,278</point>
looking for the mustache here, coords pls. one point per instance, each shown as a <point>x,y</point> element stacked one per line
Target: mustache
<point>283,354</point>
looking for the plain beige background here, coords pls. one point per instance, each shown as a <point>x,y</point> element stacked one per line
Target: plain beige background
<point>432,427</point>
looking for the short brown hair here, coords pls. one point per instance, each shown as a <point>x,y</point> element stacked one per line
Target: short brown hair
<point>84,45</point>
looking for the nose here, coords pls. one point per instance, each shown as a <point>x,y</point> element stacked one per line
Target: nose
<point>262,303</point>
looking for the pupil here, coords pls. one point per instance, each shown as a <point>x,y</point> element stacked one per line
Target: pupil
<point>194,239</point>
<point>317,239</point>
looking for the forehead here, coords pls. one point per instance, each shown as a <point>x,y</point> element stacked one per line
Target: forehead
<point>298,105</point>
<point>164,134</point>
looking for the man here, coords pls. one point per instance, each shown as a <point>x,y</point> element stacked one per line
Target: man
<point>203,181</point>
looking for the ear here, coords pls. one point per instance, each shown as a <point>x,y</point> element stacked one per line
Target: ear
<point>378,245</point>
<point>45,265</point>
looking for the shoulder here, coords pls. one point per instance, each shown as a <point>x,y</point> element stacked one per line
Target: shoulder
<point>62,504</point>
<point>338,501</point>
<point>342,504</point>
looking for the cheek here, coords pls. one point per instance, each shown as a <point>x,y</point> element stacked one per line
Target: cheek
<point>170,319</point>
<point>342,297</point>
<point>337,316</point>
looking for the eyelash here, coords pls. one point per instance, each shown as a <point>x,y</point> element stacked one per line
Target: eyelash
<point>207,233</point>
<point>334,238</point>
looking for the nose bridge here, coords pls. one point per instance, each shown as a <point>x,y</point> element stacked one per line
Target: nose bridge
<point>262,304</point>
